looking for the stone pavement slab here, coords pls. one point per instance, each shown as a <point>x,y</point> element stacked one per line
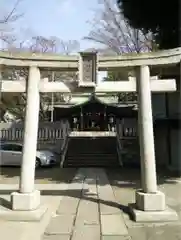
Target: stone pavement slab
<point>61,224</point>
<point>107,209</point>
<point>108,204</point>
<point>113,225</point>
<point>156,233</point>
<point>9,230</point>
<point>112,222</point>
<point>88,213</point>
<point>116,238</point>
<point>68,205</point>
<point>87,232</point>
<point>56,237</point>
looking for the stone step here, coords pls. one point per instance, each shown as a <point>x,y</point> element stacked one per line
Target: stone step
<point>79,159</point>
<point>92,156</point>
<point>97,148</point>
<point>92,153</point>
<point>110,162</point>
<point>91,159</point>
<point>88,158</point>
<point>92,143</point>
<point>87,152</point>
<point>91,162</point>
<point>96,161</point>
<point>93,165</point>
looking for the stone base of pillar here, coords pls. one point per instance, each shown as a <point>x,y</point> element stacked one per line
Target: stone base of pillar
<point>151,207</point>
<point>168,215</point>
<point>25,201</point>
<point>24,207</point>
<point>8,214</point>
<point>150,201</point>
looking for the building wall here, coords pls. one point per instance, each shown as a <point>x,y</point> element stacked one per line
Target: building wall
<point>170,110</point>
<point>161,145</point>
<point>174,105</point>
<point>175,149</point>
<point>158,105</point>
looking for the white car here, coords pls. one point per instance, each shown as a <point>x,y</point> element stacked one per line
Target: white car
<point>11,155</point>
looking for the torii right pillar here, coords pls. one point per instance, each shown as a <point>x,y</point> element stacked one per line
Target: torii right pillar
<point>150,203</point>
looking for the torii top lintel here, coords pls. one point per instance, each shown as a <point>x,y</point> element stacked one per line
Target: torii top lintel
<point>46,60</point>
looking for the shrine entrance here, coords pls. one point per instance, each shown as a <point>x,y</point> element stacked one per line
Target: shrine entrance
<point>94,121</point>
<point>150,202</point>
<point>94,115</point>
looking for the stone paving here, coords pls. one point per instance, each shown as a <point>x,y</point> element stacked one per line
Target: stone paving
<point>88,211</point>
<point>97,210</point>
<point>52,182</point>
<point>30,230</point>
<point>93,206</point>
<point>125,182</point>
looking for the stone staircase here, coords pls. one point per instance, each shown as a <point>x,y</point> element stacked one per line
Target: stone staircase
<point>92,152</point>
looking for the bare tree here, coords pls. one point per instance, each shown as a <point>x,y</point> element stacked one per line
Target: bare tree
<point>112,30</point>
<point>38,44</point>
<point>7,19</point>
<point>11,15</point>
<point>69,46</point>
<point>15,103</point>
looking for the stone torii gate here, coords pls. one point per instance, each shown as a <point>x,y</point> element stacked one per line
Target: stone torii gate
<point>150,203</point>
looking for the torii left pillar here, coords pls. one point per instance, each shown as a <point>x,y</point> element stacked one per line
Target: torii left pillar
<point>28,199</point>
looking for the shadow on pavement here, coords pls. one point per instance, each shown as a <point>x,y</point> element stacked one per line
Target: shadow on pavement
<point>76,193</point>
<point>122,177</point>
